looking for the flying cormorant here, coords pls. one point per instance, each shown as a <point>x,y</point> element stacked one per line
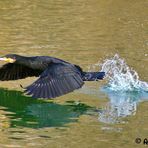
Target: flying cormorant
<point>56,77</point>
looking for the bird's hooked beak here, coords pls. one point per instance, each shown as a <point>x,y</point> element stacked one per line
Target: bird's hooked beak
<point>9,60</point>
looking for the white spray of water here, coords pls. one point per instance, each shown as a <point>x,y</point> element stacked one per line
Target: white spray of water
<point>123,88</point>
<point>121,77</point>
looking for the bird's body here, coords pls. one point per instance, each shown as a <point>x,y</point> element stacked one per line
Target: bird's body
<point>56,77</point>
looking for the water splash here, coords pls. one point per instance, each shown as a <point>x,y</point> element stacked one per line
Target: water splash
<point>124,89</point>
<point>121,77</point>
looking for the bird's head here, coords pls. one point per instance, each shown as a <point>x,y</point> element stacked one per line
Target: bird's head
<point>10,58</point>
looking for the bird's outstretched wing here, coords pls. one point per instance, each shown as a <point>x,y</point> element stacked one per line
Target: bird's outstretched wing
<point>56,80</point>
<point>12,71</point>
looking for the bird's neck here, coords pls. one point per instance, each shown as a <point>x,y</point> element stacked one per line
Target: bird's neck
<point>33,62</point>
<point>26,61</point>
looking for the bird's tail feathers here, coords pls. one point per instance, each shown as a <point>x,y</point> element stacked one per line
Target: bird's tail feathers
<point>93,76</point>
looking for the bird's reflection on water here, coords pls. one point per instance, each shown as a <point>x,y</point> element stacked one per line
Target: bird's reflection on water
<point>27,112</point>
<point>121,104</point>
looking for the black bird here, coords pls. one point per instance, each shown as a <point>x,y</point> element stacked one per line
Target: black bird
<point>56,77</point>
